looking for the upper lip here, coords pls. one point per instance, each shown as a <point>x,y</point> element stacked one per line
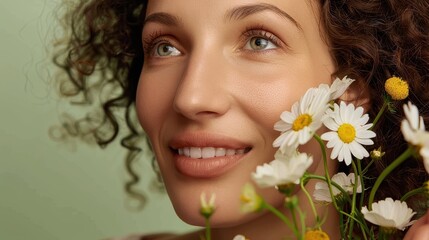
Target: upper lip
<point>206,139</point>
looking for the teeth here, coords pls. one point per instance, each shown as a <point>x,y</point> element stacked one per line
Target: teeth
<point>220,152</point>
<point>195,152</point>
<point>208,152</point>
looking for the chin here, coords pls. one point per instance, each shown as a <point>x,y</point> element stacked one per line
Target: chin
<point>220,219</point>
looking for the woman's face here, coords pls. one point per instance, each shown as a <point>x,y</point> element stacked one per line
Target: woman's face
<point>216,76</point>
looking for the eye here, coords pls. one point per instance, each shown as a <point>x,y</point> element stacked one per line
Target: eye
<point>166,50</point>
<point>259,43</point>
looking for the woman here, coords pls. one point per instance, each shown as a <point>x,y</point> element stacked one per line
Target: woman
<point>209,79</point>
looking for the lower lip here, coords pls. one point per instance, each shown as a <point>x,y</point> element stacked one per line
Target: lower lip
<point>206,167</point>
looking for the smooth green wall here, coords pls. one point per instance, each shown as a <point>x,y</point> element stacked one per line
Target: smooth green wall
<point>47,190</point>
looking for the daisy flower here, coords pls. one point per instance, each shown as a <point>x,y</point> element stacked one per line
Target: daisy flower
<point>305,118</point>
<point>282,170</point>
<point>346,182</point>
<point>389,214</point>
<point>349,132</point>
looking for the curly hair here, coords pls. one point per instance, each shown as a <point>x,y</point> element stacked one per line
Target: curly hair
<point>102,50</point>
<point>370,40</point>
<point>373,40</point>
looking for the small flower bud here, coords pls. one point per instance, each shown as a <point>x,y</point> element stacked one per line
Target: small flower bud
<point>207,209</point>
<point>316,235</point>
<point>397,88</point>
<point>377,154</point>
<point>291,202</point>
<point>250,200</point>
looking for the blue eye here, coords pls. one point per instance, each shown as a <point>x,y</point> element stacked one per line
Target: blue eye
<point>166,50</point>
<point>260,43</point>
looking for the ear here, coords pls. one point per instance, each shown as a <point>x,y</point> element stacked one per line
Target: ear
<point>358,94</point>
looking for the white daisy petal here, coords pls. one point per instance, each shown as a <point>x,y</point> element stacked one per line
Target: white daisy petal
<point>364,141</point>
<point>283,169</point>
<point>338,87</point>
<point>331,124</point>
<point>346,182</point>
<point>413,130</point>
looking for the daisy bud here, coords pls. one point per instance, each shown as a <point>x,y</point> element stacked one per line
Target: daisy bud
<point>397,88</point>
<point>316,235</point>
<point>240,237</point>
<point>377,154</point>
<point>291,202</point>
<point>250,200</point>
<point>207,209</point>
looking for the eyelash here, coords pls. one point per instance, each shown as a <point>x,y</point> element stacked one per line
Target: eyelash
<point>150,42</point>
<point>259,31</point>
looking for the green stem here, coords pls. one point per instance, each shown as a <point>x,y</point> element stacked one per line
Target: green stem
<point>362,183</point>
<point>208,229</point>
<point>353,208</point>
<point>295,223</point>
<point>383,108</point>
<point>325,162</point>
<point>310,200</point>
<point>302,220</point>
<point>386,172</point>
<point>412,193</point>
<point>342,226</point>
<point>367,166</point>
<point>282,217</point>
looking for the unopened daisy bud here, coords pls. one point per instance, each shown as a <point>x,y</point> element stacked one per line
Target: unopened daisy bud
<point>240,237</point>
<point>207,209</point>
<point>397,88</point>
<point>316,235</point>
<point>377,154</point>
<point>291,202</point>
<point>250,200</point>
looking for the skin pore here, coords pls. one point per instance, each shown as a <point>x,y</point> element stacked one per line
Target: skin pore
<point>217,75</point>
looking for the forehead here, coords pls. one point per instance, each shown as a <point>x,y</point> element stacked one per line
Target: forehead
<point>300,12</point>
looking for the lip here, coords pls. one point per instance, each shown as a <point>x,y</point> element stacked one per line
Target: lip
<point>206,167</point>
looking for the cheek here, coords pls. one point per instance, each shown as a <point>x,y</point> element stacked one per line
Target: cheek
<point>153,98</point>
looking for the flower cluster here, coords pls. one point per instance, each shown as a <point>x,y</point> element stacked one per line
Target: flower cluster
<point>347,133</point>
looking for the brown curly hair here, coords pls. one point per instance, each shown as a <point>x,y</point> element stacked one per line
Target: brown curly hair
<point>370,40</point>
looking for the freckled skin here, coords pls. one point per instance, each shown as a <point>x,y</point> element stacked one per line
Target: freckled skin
<point>215,82</point>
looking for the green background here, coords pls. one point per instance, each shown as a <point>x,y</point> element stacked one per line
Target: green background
<point>51,190</point>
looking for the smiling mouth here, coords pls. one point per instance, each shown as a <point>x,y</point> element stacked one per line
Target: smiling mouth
<point>209,152</point>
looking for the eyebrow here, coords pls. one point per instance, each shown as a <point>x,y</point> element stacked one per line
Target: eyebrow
<point>163,18</point>
<point>236,13</point>
<point>241,12</point>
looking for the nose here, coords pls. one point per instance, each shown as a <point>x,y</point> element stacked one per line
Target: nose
<point>203,90</point>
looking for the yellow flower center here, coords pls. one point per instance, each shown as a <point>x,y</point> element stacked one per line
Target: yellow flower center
<point>245,199</point>
<point>347,133</point>
<point>397,88</point>
<point>316,235</point>
<point>301,122</point>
